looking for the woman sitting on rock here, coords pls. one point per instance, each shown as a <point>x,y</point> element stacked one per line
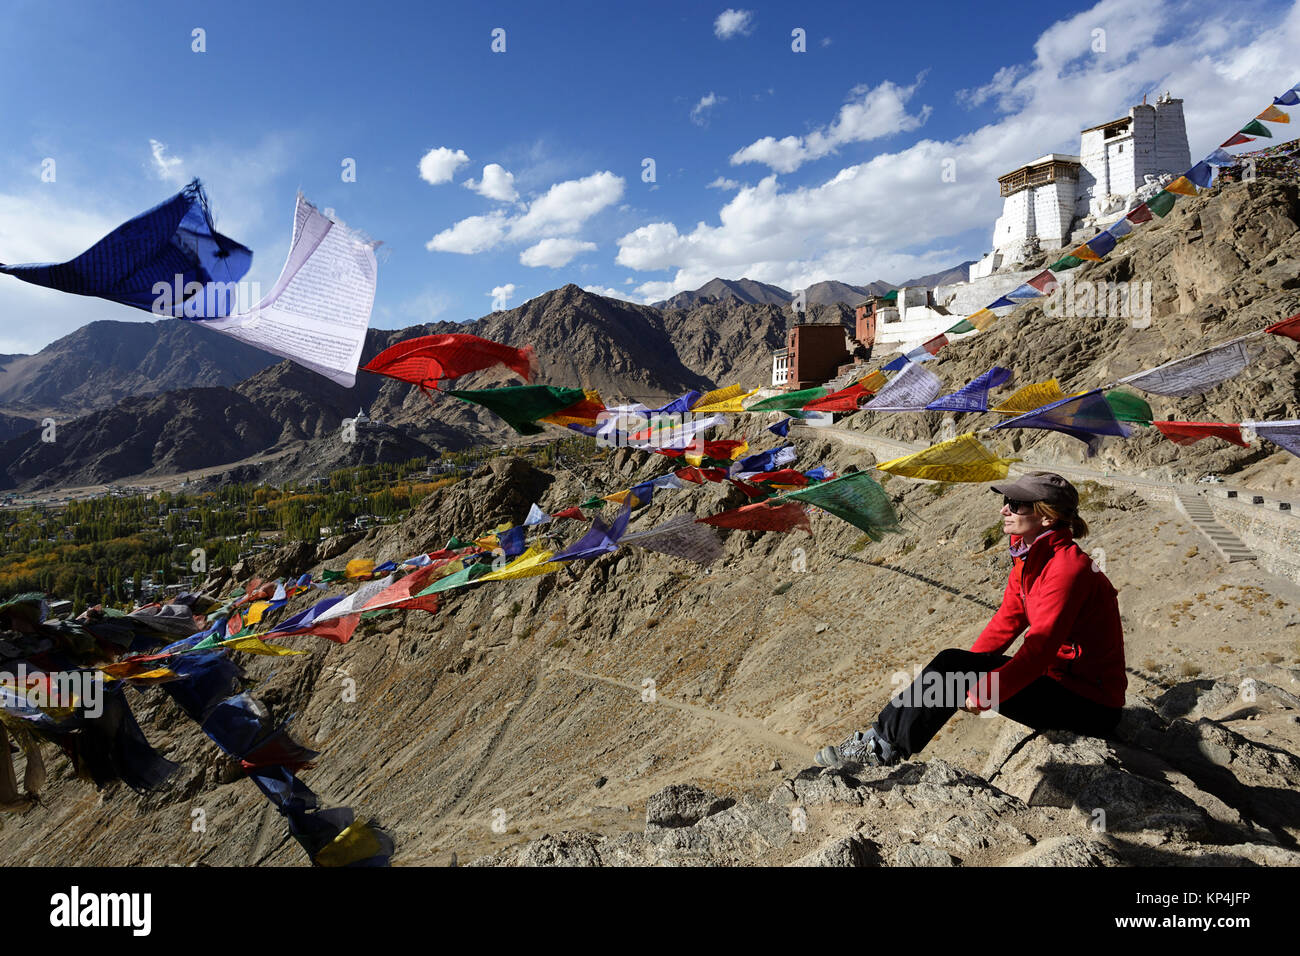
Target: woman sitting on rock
<point>1067,675</point>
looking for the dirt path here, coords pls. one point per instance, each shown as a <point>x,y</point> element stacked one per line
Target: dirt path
<point>753,728</point>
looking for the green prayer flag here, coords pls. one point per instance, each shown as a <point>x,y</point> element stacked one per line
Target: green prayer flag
<point>962,326</point>
<point>521,405</point>
<point>1129,407</point>
<point>1162,202</point>
<point>856,498</point>
<point>1065,262</point>
<point>465,575</point>
<point>790,401</point>
<point>890,296</point>
<point>1256,128</point>
<point>595,501</point>
<point>455,544</point>
<point>328,575</point>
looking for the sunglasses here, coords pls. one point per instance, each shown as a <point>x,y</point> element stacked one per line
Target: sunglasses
<point>1018,507</point>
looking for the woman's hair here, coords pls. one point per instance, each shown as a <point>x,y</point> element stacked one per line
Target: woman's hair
<point>1061,519</point>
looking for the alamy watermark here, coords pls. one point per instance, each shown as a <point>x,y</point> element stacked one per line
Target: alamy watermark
<point>1077,299</point>
<point>203,300</point>
<point>84,689</point>
<point>927,688</point>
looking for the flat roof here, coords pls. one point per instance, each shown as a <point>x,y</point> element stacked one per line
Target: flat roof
<point>1122,119</point>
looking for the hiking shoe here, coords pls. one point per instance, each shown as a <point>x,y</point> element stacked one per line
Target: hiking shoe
<point>868,749</point>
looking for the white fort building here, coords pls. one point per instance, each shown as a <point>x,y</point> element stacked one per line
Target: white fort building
<point>1120,164</point>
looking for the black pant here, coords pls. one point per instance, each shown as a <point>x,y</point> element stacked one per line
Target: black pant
<point>914,715</point>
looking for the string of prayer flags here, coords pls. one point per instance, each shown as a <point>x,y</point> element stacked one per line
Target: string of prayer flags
<point>1118,230</point>
<point>963,458</point>
<point>680,537</point>
<point>898,363</point>
<point>173,245</point>
<point>520,406</point>
<point>1161,203</point>
<point>1285,434</point>
<point>425,360</point>
<point>1129,407</point>
<point>763,516</point>
<point>1084,253</point>
<point>317,313</point>
<point>573,513</point>
<point>782,476</point>
<point>1087,417</point>
<point>1101,244</point>
<point>973,397</point>
<point>680,405</point>
<point>250,645</point>
<point>856,498</point>
<point>1289,98</point>
<point>1200,372</point>
<point>512,542</point>
<point>1067,262</point>
<point>1189,433</point>
<point>789,400</point>
<point>1028,397</point>
<point>909,391</point>
<point>729,399</point>
<point>534,561</point>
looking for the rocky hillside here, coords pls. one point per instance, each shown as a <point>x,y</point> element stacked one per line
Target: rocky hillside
<point>1218,265</point>
<point>107,361</point>
<point>511,727</point>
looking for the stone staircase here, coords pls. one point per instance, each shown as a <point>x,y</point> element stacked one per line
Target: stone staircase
<point>1197,509</point>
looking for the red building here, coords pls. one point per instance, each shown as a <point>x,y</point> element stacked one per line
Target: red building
<point>815,354</point>
<point>865,332</point>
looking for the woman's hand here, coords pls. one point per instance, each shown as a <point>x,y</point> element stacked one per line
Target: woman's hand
<point>971,706</point>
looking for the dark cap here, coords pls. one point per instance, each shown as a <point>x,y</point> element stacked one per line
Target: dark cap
<point>1042,486</point>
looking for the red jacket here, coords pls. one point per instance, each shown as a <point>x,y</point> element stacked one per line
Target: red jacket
<point>1072,612</point>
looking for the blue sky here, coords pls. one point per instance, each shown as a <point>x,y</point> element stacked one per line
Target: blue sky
<point>788,167</point>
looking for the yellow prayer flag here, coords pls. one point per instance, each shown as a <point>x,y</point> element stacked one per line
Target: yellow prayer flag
<point>356,842</point>
<point>729,399</point>
<point>623,497</point>
<point>877,380</point>
<point>559,418</point>
<point>256,611</point>
<point>359,568</point>
<point>982,319</point>
<point>1182,186</point>
<point>531,562</point>
<point>739,449</point>
<point>504,526</point>
<point>254,645</point>
<point>962,458</point>
<point>1083,252</point>
<point>488,542</point>
<point>1274,115</point>
<point>159,675</point>
<point>1029,397</point>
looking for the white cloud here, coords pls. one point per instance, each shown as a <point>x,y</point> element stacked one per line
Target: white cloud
<point>501,295</point>
<point>496,183</point>
<point>607,292</point>
<point>732,22</point>
<point>871,114</point>
<point>440,165</point>
<point>893,217</point>
<point>425,306</point>
<point>561,210</point>
<point>722,182</point>
<point>699,112</point>
<point>554,252</point>
<point>566,206</point>
<point>475,234</point>
<point>170,169</point>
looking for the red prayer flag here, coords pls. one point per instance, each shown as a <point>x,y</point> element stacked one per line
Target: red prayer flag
<point>748,490</point>
<point>1189,433</point>
<point>234,625</point>
<point>424,360</point>
<point>1288,327</point>
<point>690,474</point>
<point>1139,215</point>
<point>721,450</point>
<point>575,513</point>
<point>762,517</point>
<point>845,400</point>
<point>936,343</point>
<point>1045,282</point>
<point>783,476</point>
<point>1237,140</point>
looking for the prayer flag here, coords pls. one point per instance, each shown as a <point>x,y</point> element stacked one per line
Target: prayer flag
<point>855,498</point>
<point>1189,433</point>
<point>762,516</point>
<point>425,360</point>
<point>963,458</point>
<point>973,397</point>
<point>522,405</point>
